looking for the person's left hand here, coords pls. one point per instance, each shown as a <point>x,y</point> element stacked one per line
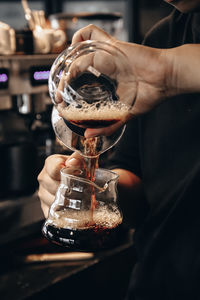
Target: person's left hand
<point>49,177</point>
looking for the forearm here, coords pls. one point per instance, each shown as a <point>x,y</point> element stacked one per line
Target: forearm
<point>174,71</point>
<point>184,69</point>
<point>131,197</point>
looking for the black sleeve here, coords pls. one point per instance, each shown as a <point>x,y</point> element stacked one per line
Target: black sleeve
<point>163,34</point>
<point>157,36</point>
<point>125,154</point>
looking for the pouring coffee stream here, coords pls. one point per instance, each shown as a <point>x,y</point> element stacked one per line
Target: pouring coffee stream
<point>90,165</point>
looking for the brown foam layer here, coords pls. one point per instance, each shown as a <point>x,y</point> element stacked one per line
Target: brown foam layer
<point>93,112</point>
<point>82,219</point>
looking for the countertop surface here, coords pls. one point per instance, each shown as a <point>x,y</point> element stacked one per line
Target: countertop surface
<point>107,271</point>
<point>20,280</point>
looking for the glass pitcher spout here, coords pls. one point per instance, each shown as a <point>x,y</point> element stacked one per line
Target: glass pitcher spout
<point>102,185</point>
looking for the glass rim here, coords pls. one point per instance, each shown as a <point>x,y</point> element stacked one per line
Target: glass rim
<point>87,181</point>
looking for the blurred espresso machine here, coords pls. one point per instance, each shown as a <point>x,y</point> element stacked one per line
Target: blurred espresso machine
<point>26,135</point>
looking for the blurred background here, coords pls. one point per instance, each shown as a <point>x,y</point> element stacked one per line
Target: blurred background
<point>138,15</point>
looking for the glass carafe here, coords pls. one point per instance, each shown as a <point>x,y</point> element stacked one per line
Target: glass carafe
<point>85,214</point>
<point>91,85</point>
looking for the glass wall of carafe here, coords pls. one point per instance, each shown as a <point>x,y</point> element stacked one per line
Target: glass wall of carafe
<point>85,214</point>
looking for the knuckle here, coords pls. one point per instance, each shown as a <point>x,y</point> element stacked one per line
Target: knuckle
<point>45,209</point>
<point>39,194</point>
<point>40,176</point>
<point>91,26</point>
<point>49,159</point>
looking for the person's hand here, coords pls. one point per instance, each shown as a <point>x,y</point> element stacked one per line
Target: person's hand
<point>105,62</point>
<point>157,73</point>
<point>49,177</point>
<point>142,74</point>
<point>150,71</point>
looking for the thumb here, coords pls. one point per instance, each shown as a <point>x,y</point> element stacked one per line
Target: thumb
<point>91,32</point>
<point>106,131</point>
<point>74,160</point>
<point>54,164</point>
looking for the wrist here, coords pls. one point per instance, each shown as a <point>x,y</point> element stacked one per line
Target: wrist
<point>170,72</point>
<point>184,65</point>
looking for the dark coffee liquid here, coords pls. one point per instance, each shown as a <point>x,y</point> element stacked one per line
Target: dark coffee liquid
<point>90,165</point>
<point>92,238</point>
<point>92,123</point>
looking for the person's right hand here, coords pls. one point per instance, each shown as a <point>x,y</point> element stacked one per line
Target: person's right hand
<point>149,67</point>
<point>143,80</point>
<point>49,177</point>
<point>157,73</point>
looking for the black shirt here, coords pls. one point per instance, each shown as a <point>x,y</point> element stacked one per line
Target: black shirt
<point>163,148</point>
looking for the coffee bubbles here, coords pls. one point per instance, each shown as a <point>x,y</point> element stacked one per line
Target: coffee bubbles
<point>74,229</point>
<point>94,115</point>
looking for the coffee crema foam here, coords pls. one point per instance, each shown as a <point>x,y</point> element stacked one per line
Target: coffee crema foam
<point>95,111</point>
<point>82,219</point>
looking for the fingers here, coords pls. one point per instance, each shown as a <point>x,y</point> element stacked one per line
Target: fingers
<point>91,32</point>
<point>80,65</point>
<point>74,160</point>
<point>45,209</point>
<point>107,131</point>
<point>49,180</point>
<point>100,60</point>
<point>48,183</point>
<point>61,85</point>
<point>102,64</point>
<point>49,177</point>
<point>53,164</point>
<point>46,200</point>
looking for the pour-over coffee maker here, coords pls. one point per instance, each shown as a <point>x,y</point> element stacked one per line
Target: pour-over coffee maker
<point>85,89</point>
